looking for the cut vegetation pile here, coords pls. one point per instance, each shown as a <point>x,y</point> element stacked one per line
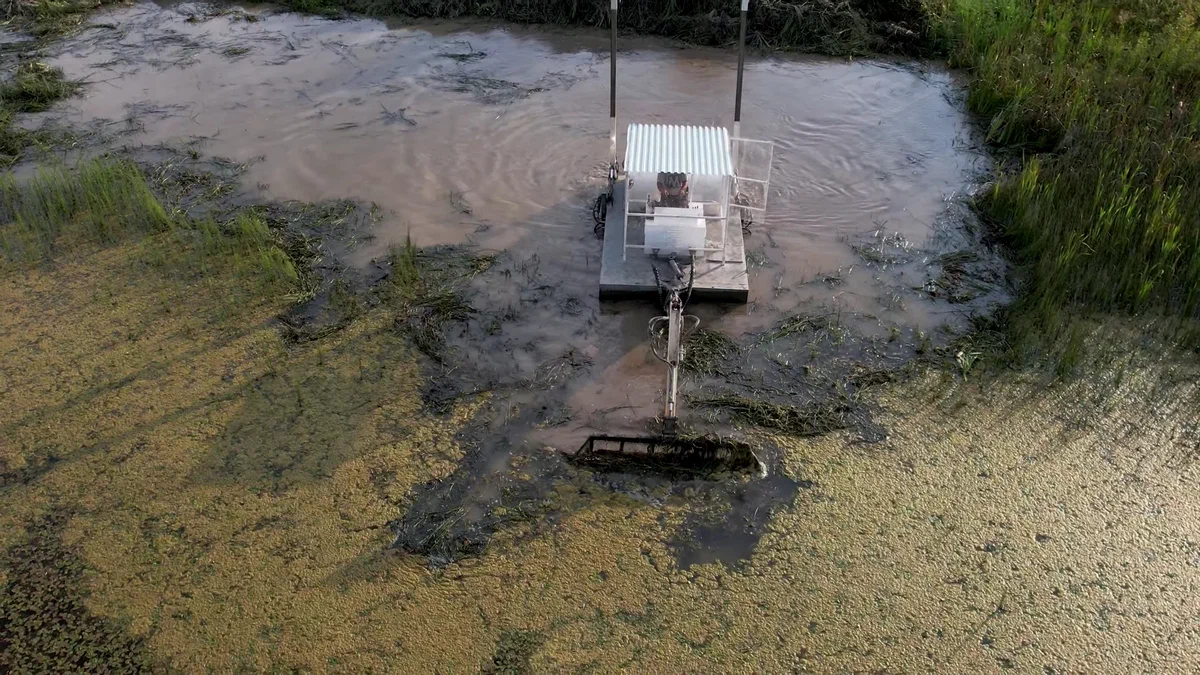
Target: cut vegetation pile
<point>1102,100</point>
<point>31,87</point>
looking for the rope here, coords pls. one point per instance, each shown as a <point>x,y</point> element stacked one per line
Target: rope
<point>662,291</point>
<point>691,282</point>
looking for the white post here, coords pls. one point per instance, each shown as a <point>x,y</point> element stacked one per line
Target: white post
<point>625,217</point>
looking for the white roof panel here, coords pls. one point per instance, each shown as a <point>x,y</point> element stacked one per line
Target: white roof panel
<point>650,148</point>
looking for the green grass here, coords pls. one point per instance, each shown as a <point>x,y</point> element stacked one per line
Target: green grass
<point>99,202</point>
<point>1101,101</point>
<point>49,18</point>
<point>33,86</point>
<point>106,201</point>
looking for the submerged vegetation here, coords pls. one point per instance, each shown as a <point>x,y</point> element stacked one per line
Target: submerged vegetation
<point>426,286</point>
<point>44,617</point>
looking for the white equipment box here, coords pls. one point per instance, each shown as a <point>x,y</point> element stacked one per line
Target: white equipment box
<point>677,231</point>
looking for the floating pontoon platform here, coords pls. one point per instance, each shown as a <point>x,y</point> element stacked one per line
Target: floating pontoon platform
<point>629,273</point>
<point>691,168</point>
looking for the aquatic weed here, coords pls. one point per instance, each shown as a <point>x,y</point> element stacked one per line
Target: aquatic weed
<point>45,623</point>
<point>34,87</point>
<point>809,420</point>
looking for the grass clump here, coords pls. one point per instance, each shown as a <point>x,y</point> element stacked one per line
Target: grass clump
<point>250,243</point>
<point>427,286</point>
<point>104,201</point>
<point>48,18</point>
<point>34,87</point>
<point>101,201</point>
<point>1103,101</point>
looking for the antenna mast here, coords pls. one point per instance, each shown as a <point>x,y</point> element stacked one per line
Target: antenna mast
<point>737,104</point>
<point>612,95</point>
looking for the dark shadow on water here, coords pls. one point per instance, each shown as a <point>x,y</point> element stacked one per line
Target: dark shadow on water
<point>730,537</point>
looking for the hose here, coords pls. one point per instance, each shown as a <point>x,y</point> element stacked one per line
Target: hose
<point>747,216</point>
<point>600,213</point>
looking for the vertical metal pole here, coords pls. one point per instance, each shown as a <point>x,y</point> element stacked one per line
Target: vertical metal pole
<point>737,105</point>
<point>737,113</point>
<point>625,226</point>
<point>612,88</point>
<point>725,223</point>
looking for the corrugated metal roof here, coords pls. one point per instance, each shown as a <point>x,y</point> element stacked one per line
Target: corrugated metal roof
<point>650,148</point>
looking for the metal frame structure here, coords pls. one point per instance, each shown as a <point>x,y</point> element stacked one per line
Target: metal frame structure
<point>699,152</point>
<point>706,155</point>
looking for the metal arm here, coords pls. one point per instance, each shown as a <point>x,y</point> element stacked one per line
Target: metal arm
<point>678,327</point>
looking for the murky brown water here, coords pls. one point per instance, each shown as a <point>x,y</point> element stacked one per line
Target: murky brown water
<point>515,121</point>
<point>498,137</point>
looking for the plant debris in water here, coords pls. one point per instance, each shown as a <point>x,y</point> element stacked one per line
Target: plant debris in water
<point>34,86</point>
<point>426,286</point>
<point>704,351</point>
<point>811,420</point>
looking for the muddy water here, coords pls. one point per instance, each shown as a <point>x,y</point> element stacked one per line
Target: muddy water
<point>497,136</point>
<point>454,130</point>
